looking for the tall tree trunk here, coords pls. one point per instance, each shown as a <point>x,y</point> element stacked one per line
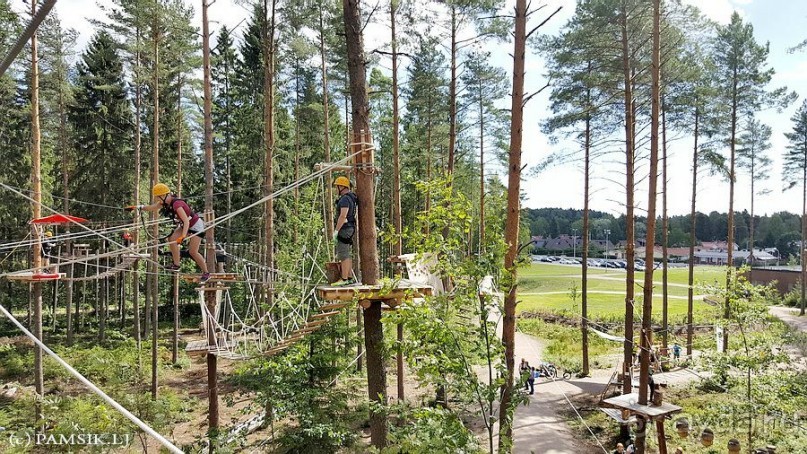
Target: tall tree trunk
<point>373,330</point>
<point>665,220</point>
<point>297,151</point>
<point>751,224</point>
<point>506,409</point>
<point>647,304</point>
<point>692,238</point>
<point>268,27</point>
<point>586,228</point>
<point>210,297</point>
<point>452,96</point>
<point>326,130</point>
<point>36,212</point>
<point>630,243</point>
<point>65,146</point>
<point>481,173</point>
<point>155,178</point>
<point>730,236</point>
<point>396,185</point>
<point>804,236</point>
<point>137,164</point>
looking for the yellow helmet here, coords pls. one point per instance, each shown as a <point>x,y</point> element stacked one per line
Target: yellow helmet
<point>342,181</point>
<point>48,234</point>
<point>159,189</point>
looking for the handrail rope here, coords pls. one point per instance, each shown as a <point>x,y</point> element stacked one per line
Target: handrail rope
<point>71,220</point>
<point>220,220</point>
<point>72,235</point>
<point>167,444</point>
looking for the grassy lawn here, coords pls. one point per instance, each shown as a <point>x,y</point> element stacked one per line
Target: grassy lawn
<point>548,287</point>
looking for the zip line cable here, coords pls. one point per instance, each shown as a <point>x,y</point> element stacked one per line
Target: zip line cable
<point>163,441</point>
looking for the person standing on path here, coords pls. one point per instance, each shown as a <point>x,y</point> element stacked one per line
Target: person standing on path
<point>531,380</point>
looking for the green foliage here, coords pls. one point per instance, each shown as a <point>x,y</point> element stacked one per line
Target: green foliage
<point>433,430</point>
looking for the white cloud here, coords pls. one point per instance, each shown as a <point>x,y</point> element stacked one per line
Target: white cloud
<point>719,10</point>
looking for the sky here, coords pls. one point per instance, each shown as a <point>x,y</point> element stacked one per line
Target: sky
<point>783,23</point>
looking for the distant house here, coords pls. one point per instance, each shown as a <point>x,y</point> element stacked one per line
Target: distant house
<point>712,257</point>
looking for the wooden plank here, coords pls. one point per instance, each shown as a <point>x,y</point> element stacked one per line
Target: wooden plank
<point>214,277</point>
<point>324,315</point>
<point>211,289</point>
<point>630,402</point>
<point>30,277</point>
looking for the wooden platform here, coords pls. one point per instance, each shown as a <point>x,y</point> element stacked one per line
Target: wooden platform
<point>630,402</point>
<point>35,277</point>
<point>617,415</point>
<point>403,290</point>
<point>214,277</point>
<point>200,347</point>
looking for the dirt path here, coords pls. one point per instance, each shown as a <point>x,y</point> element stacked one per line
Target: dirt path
<point>789,315</point>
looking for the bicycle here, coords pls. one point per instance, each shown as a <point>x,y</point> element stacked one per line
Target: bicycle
<point>549,370</point>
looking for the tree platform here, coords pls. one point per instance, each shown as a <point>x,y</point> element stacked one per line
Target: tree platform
<point>365,294</point>
<point>630,403</point>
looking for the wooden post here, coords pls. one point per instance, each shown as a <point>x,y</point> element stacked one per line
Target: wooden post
<point>210,297</point>
<point>175,337</point>
<point>662,442</point>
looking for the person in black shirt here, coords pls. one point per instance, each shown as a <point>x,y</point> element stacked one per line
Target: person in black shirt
<point>344,230</point>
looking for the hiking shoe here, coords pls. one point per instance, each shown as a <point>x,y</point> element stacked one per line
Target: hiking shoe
<point>205,277</point>
<point>344,282</point>
<point>172,267</point>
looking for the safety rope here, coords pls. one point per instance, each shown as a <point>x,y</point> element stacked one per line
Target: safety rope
<point>167,444</point>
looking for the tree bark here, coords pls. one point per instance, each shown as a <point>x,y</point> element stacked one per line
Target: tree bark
<point>586,228</point>
<point>210,297</point>
<point>155,178</point>
<point>137,163</point>
<point>730,236</point>
<point>692,238</point>
<point>506,409</point>
<point>36,212</point>
<point>630,239</point>
<point>368,253</point>
<point>647,304</point>
<point>268,27</point>
<point>665,235</point>
<point>396,185</point>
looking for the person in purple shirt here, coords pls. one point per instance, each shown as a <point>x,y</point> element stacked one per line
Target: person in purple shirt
<point>188,225</point>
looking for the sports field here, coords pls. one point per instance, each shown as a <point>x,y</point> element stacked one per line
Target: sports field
<point>549,287</point>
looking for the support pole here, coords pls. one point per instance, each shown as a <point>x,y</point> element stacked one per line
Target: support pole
<point>210,297</point>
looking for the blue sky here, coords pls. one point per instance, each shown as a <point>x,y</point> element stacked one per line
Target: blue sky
<point>781,22</point>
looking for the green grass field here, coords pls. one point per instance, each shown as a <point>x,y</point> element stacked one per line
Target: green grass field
<point>548,287</point>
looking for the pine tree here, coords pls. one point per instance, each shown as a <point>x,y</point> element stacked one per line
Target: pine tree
<point>752,156</point>
<point>794,172</point>
<point>743,76</point>
<point>101,120</point>
<point>486,123</point>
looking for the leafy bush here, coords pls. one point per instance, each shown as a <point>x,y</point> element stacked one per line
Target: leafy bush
<point>432,430</point>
